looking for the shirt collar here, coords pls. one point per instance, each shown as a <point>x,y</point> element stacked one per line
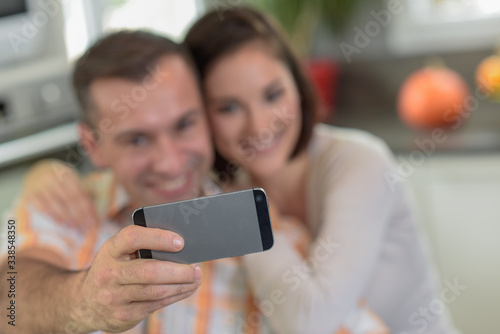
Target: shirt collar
<point>119,202</point>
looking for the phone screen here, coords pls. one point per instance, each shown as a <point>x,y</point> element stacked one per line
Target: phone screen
<point>213,227</point>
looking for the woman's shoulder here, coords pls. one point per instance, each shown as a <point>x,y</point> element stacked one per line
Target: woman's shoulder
<point>343,159</point>
<point>347,144</point>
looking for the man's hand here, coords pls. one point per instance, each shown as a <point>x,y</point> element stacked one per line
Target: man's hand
<point>119,290</point>
<point>56,189</point>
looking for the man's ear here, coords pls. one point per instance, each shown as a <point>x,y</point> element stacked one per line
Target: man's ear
<point>92,141</point>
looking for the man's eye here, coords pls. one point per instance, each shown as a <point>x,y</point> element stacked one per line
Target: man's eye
<point>185,124</point>
<point>274,95</point>
<point>139,141</point>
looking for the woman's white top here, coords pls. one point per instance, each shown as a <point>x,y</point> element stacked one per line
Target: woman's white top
<point>366,247</point>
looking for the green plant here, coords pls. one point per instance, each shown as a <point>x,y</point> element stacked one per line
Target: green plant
<point>300,18</point>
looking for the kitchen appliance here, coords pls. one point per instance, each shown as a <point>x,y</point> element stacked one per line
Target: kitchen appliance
<point>35,100</point>
<point>23,27</point>
<point>35,91</point>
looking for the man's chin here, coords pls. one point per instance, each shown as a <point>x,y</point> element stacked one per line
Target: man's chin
<point>168,199</point>
<point>160,196</point>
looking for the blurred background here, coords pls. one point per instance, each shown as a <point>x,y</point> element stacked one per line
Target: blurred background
<point>422,74</point>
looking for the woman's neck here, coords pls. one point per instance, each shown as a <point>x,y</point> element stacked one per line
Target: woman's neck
<point>287,187</point>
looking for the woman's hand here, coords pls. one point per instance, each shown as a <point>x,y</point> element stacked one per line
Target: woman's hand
<point>56,189</point>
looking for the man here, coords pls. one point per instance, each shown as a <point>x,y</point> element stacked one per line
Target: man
<point>143,120</point>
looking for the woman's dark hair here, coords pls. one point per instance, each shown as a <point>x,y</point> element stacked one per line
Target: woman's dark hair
<point>218,33</point>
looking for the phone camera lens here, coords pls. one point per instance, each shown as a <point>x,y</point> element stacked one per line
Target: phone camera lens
<point>259,198</point>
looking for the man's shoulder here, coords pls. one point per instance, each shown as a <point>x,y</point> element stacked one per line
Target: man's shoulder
<point>101,186</point>
<point>99,180</point>
<point>110,197</point>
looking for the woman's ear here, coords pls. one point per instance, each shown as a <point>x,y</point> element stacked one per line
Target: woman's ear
<point>91,140</point>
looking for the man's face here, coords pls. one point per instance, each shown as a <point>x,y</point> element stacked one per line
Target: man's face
<point>153,134</point>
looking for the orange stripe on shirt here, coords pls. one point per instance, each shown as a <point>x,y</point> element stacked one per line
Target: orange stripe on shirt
<point>252,310</point>
<point>23,225</point>
<point>86,253</point>
<point>204,299</point>
<point>154,322</point>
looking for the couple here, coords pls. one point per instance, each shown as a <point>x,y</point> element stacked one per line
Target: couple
<point>344,241</point>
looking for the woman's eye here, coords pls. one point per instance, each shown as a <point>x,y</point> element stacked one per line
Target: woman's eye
<point>228,108</point>
<point>274,95</point>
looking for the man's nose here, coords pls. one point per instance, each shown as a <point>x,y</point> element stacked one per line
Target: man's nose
<point>168,157</point>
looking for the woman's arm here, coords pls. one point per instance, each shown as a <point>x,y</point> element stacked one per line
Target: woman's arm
<point>316,294</point>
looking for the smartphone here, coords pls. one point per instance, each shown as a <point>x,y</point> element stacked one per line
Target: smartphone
<point>213,227</point>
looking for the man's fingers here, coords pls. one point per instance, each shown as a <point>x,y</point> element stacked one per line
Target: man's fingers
<point>133,238</point>
<point>48,204</point>
<point>83,212</point>
<point>157,292</point>
<point>141,309</point>
<point>144,271</point>
<point>38,203</point>
<point>91,212</point>
<point>67,188</point>
<point>82,206</point>
<point>151,306</point>
<point>64,193</point>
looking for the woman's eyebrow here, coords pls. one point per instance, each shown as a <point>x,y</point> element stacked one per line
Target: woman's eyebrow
<point>222,99</point>
<point>274,83</point>
<point>229,98</point>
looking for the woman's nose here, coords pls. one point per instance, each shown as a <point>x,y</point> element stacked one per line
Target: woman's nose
<point>258,120</point>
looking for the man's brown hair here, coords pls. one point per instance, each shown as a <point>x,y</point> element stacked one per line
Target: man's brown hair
<point>130,55</point>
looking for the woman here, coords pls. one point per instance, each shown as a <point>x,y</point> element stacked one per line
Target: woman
<point>365,246</point>
<point>323,182</point>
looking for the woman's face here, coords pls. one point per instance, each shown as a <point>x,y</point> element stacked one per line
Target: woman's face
<point>254,109</point>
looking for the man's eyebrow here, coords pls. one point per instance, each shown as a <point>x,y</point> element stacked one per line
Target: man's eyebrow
<point>128,134</point>
<point>139,132</point>
<point>274,83</point>
<point>189,113</point>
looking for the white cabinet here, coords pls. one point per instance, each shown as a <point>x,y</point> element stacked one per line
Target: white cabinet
<point>459,198</point>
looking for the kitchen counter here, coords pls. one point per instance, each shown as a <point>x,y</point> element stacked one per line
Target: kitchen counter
<point>480,133</point>
<point>38,144</point>
<point>366,98</point>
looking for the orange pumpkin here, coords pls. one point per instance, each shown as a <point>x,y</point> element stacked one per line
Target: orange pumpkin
<point>432,97</point>
<point>488,77</point>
